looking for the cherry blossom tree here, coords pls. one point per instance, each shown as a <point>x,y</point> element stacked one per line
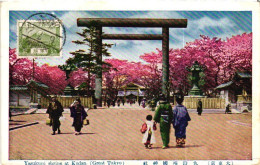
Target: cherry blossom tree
<point>151,75</point>
<point>21,72</point>
<point>221,59</point>
<point>237,54</point>
<point>20,69</point>
<point>53,77</point>
<point>116,77</point>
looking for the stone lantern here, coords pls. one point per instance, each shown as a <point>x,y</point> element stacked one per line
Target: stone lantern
<point>195,69</point>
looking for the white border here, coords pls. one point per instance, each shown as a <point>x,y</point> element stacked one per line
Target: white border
<point>128,5</point>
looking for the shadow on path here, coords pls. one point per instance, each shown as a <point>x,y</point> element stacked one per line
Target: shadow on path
<point>72,133</point>
<point>15,124</point>
<point>17,121</point>
<point>187,146</point>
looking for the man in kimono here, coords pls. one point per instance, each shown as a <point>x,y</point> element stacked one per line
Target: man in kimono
<point>180,121</point>
<point>199,107</point>
<point>163,115</point>
<point>55,110</point>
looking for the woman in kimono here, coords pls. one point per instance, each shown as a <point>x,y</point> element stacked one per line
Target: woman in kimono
<point>79,114</point>
<point>143,103</point>
<point>180,121</point>
<point>163,115</point>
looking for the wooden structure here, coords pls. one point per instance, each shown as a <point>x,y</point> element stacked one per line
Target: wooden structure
<point>23,95</point>
<point>207,103</point>
<point>67,100</point>
<point>131,91</point>
<point>165,24</point>
<point>238,92</point>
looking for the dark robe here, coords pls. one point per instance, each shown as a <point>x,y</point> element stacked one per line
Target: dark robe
<point>180,120</point>
<point>228,109</point>
<point>55,110</point>
<point>199,107</point>
<point>108,103</point>
<point>10,115</point>
<point>79,114</point>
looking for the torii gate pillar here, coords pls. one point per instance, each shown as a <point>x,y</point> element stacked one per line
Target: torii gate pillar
<point>165,62</point>
<point>165,24</point>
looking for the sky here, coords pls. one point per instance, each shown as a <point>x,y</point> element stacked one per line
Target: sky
<point>221,24</point>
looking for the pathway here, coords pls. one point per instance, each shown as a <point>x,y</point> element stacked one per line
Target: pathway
<point>114,134</point>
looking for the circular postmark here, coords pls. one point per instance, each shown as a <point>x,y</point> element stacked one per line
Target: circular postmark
<point>41,34</point>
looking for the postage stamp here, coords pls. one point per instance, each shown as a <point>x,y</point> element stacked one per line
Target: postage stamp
<point>42,37</point>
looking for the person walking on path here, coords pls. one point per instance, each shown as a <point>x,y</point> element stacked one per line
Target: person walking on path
<point>131,102</point>
<point>114,102</point>
<point>148,129</point>
<point>180,121</point>
<point>228,108</point>
<point>118,102</point>
<point>79,114</point>
<point>55,110</point>
<point>108,102</point>
<point>139,101</point>
<point>123,101</point>
<point>143,103</point>
<point>163,115</point>
<point>199,107</point>
<point>10,115</point>
<point>153,105</point>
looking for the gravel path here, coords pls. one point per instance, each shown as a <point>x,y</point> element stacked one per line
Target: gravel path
<point>114,134</point>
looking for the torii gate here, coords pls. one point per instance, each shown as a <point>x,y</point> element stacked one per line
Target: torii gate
<point>165,24</point>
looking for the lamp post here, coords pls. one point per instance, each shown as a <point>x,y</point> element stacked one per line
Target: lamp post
<point>195,69</point>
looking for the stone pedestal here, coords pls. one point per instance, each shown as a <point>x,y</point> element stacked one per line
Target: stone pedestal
<point>244,103</point>
<point>33,105</point>
<point>195,91</point>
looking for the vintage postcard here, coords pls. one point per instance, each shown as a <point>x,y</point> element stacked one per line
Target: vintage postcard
<point>118,83</point>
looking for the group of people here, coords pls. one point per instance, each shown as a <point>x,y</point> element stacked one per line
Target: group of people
<point>119,101</point>
<point>113,102</point>
<point>77,112</point>
<point>165,116</point>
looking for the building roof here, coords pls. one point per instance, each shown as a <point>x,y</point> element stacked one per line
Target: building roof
<point>18,88</point>
<point>25,87</point>
<point>243,75</point>
<point>133,85</point>
<point>37,84</point>
<point>238,76</point>
<point>225,85</point>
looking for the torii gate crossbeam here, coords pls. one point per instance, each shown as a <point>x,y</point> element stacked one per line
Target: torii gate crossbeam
<point>165,24</point>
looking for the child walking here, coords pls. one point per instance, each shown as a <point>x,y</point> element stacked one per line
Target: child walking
<point>148,129</point>
<point>180,121</point>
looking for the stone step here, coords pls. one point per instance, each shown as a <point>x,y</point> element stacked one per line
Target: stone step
<point>24,125</point>
<point>31,111</point>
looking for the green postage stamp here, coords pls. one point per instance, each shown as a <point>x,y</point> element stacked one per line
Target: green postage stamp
<point>39,38</point>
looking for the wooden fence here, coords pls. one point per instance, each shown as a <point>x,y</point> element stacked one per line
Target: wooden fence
<point>207,103</point>
<point>67,100</point>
